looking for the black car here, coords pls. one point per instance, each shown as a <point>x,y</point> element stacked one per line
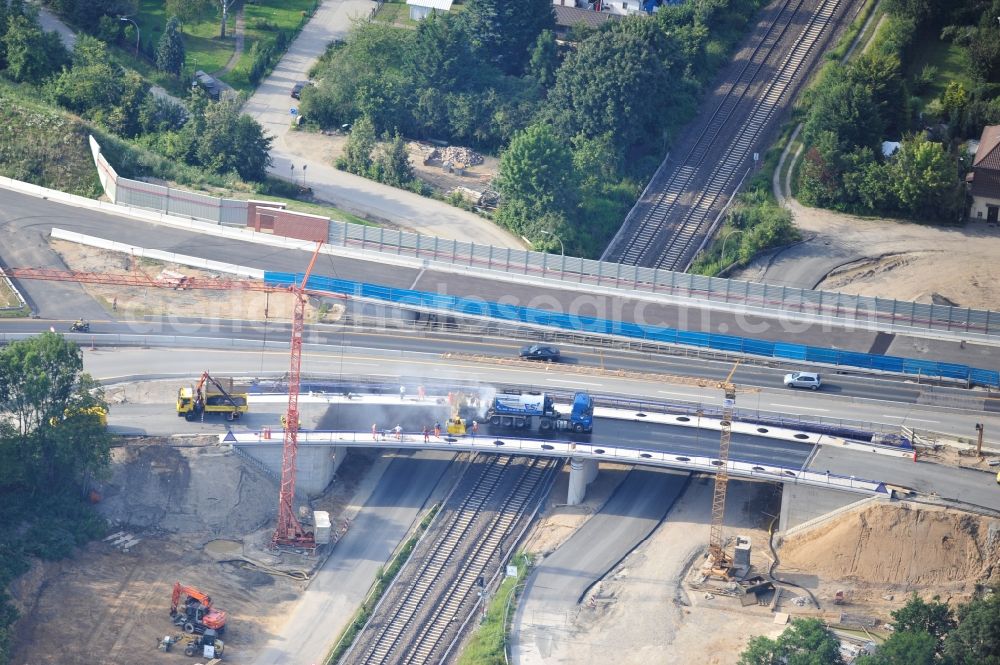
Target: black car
<point>298,88</point>
<point>538,352</point>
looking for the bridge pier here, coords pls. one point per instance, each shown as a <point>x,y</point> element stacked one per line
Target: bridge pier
<point>801,504</point>
<point>581,473</point>
<point>315,464</point>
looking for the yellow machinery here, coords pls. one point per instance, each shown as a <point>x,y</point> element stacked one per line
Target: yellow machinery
<point>209,397</point>
<point>456,426</point>
<point>95,411</point>
<point>720,563</point>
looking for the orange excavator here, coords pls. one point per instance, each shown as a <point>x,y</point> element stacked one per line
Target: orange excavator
<point>196,614</point>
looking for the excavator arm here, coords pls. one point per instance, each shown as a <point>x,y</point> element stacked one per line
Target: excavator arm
<point>191,592</point>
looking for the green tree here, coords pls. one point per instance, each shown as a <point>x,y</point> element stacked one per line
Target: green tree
<point>41,381</point>
<point>544,60</point>
<point>804,642</point>
<point>635,99</point>
<point>87,13</point>
<point>231,141</point>
<point>848,110</point>
<point>821,174</point>
<point>934,617</point>
<point>31,54</point>
<point>357,157</point>
<point>438,55</point>
<point>537,170</point>
<point>904,648</point>
<point>925,180</point>
<point>504,32</point>
<point>976,640</point>
<point>170,50</point>
<point>391,164</point>
<point>189,11</point>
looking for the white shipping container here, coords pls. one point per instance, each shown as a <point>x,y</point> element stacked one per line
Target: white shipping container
<point>321,527</point>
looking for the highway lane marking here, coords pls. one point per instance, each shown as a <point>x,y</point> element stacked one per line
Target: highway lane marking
<point>669,392</point>
<point>574,383</point>
<point>919,420</point>
<point>796,406</point>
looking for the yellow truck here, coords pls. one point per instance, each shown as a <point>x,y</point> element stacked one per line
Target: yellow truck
<point>209,397</point>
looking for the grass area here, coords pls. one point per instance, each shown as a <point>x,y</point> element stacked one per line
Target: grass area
<point>950,63</point>
<point>488,643</point>
<point>305,206</point>
<point>851,33</point>
<point>382,582</point>
<point>44,146</point>
<point>263,20</point>
<point>397,13</point>
<point>8,298</point>
<point>204,49</point>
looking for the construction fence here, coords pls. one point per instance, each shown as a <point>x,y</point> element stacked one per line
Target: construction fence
<point>478,308</point>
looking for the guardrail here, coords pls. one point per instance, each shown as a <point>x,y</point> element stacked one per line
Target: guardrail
<point>483,309</point>
<point>863,310</point>
<point>518,446</point>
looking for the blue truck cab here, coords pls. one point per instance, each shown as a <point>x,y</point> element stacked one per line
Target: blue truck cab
<point>582,416</point>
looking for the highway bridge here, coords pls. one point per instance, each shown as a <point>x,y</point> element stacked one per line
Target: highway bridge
<point>25,221</point>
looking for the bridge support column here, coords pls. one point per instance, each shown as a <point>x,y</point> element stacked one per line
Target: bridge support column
<point>581,473</point>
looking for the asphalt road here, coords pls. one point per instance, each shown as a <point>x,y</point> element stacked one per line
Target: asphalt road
<point>892,403</point>
<point>341,585</point>
<point>560,581</point>
<point>973,487</point>
<point>25,222</point>
<point>885,388</point>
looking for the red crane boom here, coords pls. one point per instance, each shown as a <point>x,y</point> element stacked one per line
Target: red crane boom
<point>290,532</point>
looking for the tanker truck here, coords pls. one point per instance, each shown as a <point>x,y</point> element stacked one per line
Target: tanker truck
<point>521,410</point>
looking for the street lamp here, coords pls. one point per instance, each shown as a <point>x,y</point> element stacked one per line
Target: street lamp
<point>728,236</point>
<point>124,19</point>
<point>562,250</point>
<point>304,167</point>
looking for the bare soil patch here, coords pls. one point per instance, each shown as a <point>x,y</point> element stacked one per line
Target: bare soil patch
<point>644,603</point>
<point>200,514</point>
<point>471,180</point>
<point>880,554</point>
<point>136,301</point>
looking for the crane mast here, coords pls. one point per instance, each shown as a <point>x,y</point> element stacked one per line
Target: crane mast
<point>719,562</point>
<point>290,532</point>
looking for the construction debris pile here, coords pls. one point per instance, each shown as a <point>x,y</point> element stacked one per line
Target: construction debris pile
<point>454,154</point>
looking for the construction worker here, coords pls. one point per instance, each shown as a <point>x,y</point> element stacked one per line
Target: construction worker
<point>374,432</point>
<point>437,430</point>
<point>475,428</point>
<point>399,433</point>
<point>427,434</point>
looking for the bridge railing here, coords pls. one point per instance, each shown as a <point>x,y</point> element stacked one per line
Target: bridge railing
<point>483,309</point>
<point>865,309</point>
<point>553,448</point>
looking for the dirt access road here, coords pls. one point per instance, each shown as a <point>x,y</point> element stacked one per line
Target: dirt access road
<point>271,104</point>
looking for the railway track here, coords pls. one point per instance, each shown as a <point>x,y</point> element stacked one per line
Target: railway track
<point>666,231</point>
<point>439,594</point>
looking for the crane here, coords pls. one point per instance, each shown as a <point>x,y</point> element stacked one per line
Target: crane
<point>719,562</point>
<point>289,532</point>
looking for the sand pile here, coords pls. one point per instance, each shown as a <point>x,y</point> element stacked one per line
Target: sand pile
<point>898,545</point>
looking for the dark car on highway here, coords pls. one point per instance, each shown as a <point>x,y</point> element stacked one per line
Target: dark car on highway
<point>538,352</point>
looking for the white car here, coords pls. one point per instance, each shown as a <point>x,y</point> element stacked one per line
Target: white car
<point>809,380</point>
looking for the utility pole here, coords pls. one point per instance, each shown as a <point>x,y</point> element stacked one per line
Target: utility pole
<point>979,444</point>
